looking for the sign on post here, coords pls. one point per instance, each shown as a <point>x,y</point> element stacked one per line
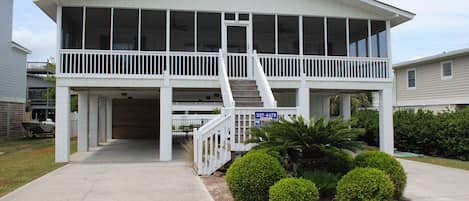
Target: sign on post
<point>263,118</point>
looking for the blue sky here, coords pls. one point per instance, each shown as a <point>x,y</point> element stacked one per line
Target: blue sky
<point>439,26</point>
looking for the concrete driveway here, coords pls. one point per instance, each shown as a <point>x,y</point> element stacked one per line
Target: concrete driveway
<point>104,176</point>
<point>426,182</point>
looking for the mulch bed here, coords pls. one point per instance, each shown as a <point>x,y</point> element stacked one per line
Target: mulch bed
<point>217,187</point>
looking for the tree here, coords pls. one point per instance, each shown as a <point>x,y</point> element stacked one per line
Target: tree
<point>50,67</point>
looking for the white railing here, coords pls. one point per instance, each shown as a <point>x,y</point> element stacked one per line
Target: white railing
<point>238,65</point>
<point>263,85</point>
<point>200,65</point>
<point>211,145</point>
<point>183,124</point>
<point>245,118</point>
<point>228,100</point>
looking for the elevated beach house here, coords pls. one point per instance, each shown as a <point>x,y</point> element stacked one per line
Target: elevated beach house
<point>136,64</point>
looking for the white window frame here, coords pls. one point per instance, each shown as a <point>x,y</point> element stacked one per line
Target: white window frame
<point>407,78</point>
<point>443,77</point>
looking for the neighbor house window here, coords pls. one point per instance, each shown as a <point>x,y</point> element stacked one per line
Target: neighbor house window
<point>153,30</point>
<point>208,32</point>
<point>379,41</point>
<point>336,37</point>
<point>313,36</point>
<point>447,70</point>
<point>264,33</point>
<point>72,27</point>
<point>288,36</point>
<point>125,30</point>
<point>98,28</point>
<point>411,78</point>
<point>358,46</point>
<point>182,31</point>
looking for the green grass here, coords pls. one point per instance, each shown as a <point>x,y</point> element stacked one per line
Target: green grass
<point>442,161</point>
<point>24,160</point>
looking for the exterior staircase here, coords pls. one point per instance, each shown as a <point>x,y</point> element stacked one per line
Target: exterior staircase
<point>245,93</point>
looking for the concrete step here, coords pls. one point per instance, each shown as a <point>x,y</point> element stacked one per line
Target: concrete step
<point>248,104</point>
<point>245,93</point>
<point>242,82</point>
<point>247,88</point>
<point>250,99</point>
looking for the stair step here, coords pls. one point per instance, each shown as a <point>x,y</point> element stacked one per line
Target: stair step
<point>245,93</point>
<point>250,99</point>
<point>249,104</point>
<point>243,82</point>
<point>247,88</point>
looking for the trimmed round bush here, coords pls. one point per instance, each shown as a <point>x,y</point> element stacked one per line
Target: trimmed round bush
<point>250,177</point>
<point>365,184</point>
<point>293,189</point>
<point>386,163</point>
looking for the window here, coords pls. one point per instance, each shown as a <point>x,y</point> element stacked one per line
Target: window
<point>336,37</point>
<point>379,41</point>
<point>182,31</point>
<point>125,29</point>
<point>72,27</point>
<point>358,46</point>
<point>264,33</point>
<point>243,17</point>
<point>208,32</point>
<point>313,36</point>
<point>153,30</point>
<point>411,78</point>
<point>288,37</point>
<point>230,16</point>
<point>98,28</point>
<point>447,70</point>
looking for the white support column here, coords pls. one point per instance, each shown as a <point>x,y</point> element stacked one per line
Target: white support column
<point>102,120</point>
<point>386,127</point>
<point>62,125</point>
<point>166,144</point>
<point>93,123</point>
<point>109,119</point>
<point>303,102</point>
<point>83,121</point>
<point>345,103</point>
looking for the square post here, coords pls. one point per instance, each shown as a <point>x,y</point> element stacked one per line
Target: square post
<point>109,119</point>
<point>303,102</point>
<point>345,103</point>
<point>62,125</point>
<point>386,124</point>
<point>83,121</point>
<point>93,121</point>
<point>166,144</point>
<point>102,120</point>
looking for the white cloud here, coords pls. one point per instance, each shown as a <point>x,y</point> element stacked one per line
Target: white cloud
<point>41,43</point>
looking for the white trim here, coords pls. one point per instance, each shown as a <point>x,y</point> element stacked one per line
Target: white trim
<point>195,31</point>
<point>111,35</point>
<point>139,45</point>
<point>443,77</point>
<point>325,37</point>
<point>347,31</point>
<point>370,43</point>
<point>276,34</point>
<point>12,100</point>
<point>407,79</point>
<point>83,34</point>
<point>20,48</point>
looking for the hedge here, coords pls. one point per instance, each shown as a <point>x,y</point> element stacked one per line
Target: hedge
<point>293,189</point>
<point>445,134</point>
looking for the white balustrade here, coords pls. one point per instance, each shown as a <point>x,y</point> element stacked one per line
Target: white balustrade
<point>263,85</point>
<point>281,66</point>
<point>237,64</point>
<point>227,95</point>
<point>194,65</point>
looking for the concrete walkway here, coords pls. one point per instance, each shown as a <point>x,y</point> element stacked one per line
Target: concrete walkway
<point>119,171</point>
<point>427,182</point>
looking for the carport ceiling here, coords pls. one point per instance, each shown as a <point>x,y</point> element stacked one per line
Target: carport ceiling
<point>121,93</point>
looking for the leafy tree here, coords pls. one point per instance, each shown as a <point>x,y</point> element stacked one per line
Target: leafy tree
<point>51,90</point>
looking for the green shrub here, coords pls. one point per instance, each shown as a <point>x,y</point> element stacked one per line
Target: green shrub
<point>326,182</point>
<point>369,120</point>
<point>365,184</point>
<point>250,177</point>
<point>386,163</point>
<point>293,189</point>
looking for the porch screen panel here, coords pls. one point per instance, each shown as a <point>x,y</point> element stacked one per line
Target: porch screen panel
<point>379,45</point>
<point>358,46</point>
<point>264,33</point>
<point>153,30</point>
<point>125,29</point>
<point>336,37</point>
<point>72,27</point>
<point>182,31</point>
<point>288,36</point>
<point>208,32</point>
<point>98,28</point>
<point>313,36</point>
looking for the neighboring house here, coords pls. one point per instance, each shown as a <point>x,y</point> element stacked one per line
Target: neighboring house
<point>437,83</point>
<point>132,64</point>
<point>12,75</point>
<point>39,104</point>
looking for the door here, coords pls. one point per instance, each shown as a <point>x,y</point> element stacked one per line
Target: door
<point>238,51</point>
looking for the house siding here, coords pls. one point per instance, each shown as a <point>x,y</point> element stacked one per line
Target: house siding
<point>430,88</point>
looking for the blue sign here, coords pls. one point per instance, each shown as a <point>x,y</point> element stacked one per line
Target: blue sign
<point>263,118</point>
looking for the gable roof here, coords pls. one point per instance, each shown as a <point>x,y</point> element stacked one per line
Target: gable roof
<point>394,14</point>
<point>433,59</point>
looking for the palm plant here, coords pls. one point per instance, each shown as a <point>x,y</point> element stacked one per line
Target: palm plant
<point>296,139</point>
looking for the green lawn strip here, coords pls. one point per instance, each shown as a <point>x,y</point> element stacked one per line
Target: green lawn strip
<point>442,161</point>
<point>25,160</point>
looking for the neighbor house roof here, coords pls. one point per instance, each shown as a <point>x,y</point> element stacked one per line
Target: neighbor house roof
<point>433,59</point>
<point>20,47</point>
<point>395,15</point>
